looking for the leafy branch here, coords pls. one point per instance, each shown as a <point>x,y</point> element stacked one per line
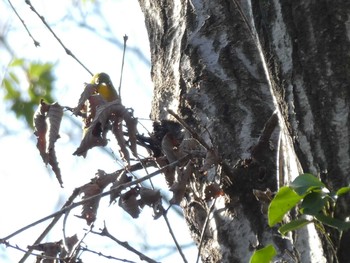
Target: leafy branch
<point>315,200</point>
<point>179,158</point>
<point>315,204</point>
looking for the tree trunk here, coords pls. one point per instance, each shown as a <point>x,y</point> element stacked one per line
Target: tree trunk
<point>225,67</point>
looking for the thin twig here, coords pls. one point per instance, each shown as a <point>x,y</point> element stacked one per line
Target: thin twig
<point>77,246</point>
<point>204,229</point>
<point>121,187</point>
<point>105,256</point>
<point>31,253</point>
<point>36,43</point>
<point>122,67</point>
<point>173,235</point>
<point>56,216</point>
<point>142,256</point>
<point>57,38</point>
<point>64,228</point>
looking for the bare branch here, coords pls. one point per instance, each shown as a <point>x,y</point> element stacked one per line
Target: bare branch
<point>105,233</point>
<point>172,234</point>
<point>105,256</point>
<point>36,43</point>
<point>30,253</point>
<point>56,216</point>
<point>204,229</point>
<point>125,38</point>
<point>66,208</point>
<point>57,38</point>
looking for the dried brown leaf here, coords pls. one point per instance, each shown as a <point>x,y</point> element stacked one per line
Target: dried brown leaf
<point>94,136</point>
<point>50,249</point>
<point>117,130</point>
<point>105,111</point>
<point>89,209</point>
<point>40,129</point>
<point>149,197</point>
<point>128,201</point>
<point>53,120</point>
<point>96,132</point>
<point>89,90</point>
<point>68,247</point>
<point>121,179</point>
<point>95,101</point>
<point>131,125</point>
<point>47,121</point>
<point>52,160</point>
<point>103,179</point>
<point>71,241</point>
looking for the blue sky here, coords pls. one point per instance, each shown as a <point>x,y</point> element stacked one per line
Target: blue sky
<point>28,190</point>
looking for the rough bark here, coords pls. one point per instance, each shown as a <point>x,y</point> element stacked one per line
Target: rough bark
<point>225,67</point>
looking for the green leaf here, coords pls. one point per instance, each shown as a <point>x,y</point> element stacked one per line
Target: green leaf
<point>333,222</point>
<point>285,199</point>
<point>305,183</point>
<point>293,225</point>
<point>17,62</point>
<point>313,203</point>
<point>264,255</point>
<point>14,77</point>
<point>343,190</point>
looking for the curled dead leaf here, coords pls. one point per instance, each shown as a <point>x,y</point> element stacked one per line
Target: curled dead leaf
<point>54,165</point>
<point>103,179</point>
<point>71,242</point>
<point>94,136</point>
<point>47,121</point>
<point>128,201</point>
<point>91,106</point>
<point>40,129</point>
<point>150,197</point>
<point>131,125</point>
<point>121,179</point>
<point>117,130</point>
<point>53,120</point>
<point>69,245</point>
<point>50,249</point>
<point>89,208</point>
<point>89,90</point>
<point>109,116</point>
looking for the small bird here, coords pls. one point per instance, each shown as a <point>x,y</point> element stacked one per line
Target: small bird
<point>105,86</point>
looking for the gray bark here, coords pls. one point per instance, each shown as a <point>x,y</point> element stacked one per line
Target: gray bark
<point>225,67</point>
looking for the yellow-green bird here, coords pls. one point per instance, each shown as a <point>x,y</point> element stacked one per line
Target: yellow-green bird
<point>105,86</point>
